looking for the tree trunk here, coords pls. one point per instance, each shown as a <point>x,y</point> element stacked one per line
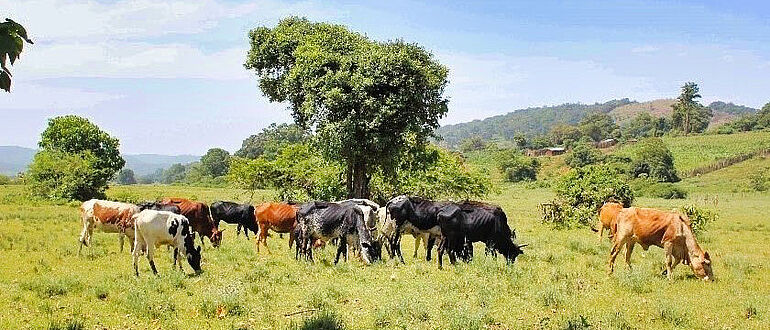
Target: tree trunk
<point>359,187</point>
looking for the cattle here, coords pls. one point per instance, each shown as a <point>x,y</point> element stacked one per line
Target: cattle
<point>156,228</point>
<point>417,215</point>
<point>233,213</point>
<point>158,206</point>
<point>278,217</point>
<point>608,213</point>
<point>668,230</point>
<point>468,222</point>
<point>328,220</point>
<point>200,219</point>
<point>386,228</point>
<point>109,217</point>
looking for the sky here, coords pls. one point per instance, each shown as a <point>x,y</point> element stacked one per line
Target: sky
<point>167,77</point>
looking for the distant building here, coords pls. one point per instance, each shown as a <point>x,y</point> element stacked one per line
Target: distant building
<point>606,143</point>
<point>553,151</point>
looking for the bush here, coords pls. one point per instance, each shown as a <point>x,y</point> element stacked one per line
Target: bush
<point>700,218</point>
<point>651,188</point>
<point>654,159</point>
<point>60,175</point>
<point>584,155</point>
<point>760,180</point>
<point>126,177</point>
<point>582,191</point>
<point>517,167</point>
<point>4,180</point>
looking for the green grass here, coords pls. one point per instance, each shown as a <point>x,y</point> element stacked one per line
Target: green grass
<point>559,283</point>
<point>691,152</point>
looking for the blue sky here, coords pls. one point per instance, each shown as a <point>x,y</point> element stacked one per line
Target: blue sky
<point>167,76</point>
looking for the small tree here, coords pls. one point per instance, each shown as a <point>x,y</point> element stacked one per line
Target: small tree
<point>12,38</point>
<point>126,177</point>
<point>653,159</point>
<point>563,134</point>
<point>215,162</point>
<point>582,191</point>
<point>76,160</point>
<point>583,155</point>
<point>175,173</point>
<point>689,115</point>
<point>598,126</point>
<point>517,167</point>
<point>472,143</point>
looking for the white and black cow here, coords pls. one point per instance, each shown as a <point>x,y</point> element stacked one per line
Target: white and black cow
<point>386,228</point>
<point>328,220</point>
<point>156,228</point>
<point>468,222</point>
<point>234,213</point>
<point>415,215</point>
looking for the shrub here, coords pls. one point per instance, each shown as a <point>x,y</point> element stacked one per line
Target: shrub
<point>584,155</point>
<point>517,167</point>
<point>582,191</point>
<point>651,188</point>
<point>4,180</point>
<point>654,159</point>
<point>700,217</point>
<point>472,143</point>
<point>760,180</point>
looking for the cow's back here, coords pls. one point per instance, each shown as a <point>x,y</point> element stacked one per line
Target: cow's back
<point>649,226</point>
<point>109,214</point>
<point>276,213</point>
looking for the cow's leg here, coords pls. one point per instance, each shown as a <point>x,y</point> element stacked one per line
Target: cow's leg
<point>629,250</point>
<point>139,246</point>
<point>417,239</point>
<point>429,247</point>
<point>441,247</point>
<point>341,248</point>
<point>238,231</point>
<point>601,231</point>
<point>84,233</point>
<point>669,248</point>
<point>617,245</point>
<point>150,255</point>
<point>121,238</point>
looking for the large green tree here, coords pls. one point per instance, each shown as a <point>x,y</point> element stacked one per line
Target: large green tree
<point>366,100</point>
<point>75,161</point>
<point>689,115</point>
<point>126,176</point>
<point>598,126</point>
<point>215,162</point>
<point>12,38</point>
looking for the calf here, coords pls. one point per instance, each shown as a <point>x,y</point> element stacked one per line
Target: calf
<point>156,228</point>
<point>109,217</point>
<point>200,219</point>
<point>668,230</point>
<point>608,213</point>
<point>468,222</point>
<point>278,217</point>
<point>232,213</point>
<point>326,220</point>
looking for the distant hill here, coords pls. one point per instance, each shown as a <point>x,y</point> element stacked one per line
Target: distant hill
<point>535,121</point>
<point>15,159</point>
<point>530,121</point>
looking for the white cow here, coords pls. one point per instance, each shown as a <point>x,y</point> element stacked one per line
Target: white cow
<point>156,228</point>
<point>108,217</point>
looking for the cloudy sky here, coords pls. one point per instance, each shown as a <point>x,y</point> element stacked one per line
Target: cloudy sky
<point>167,76</point>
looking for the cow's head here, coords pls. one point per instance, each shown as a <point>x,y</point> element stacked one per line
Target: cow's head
<point>512,250</point>
<point>371,251</point>
<point>216,237</point>
<point>701,266</point>
<point>192,253</point>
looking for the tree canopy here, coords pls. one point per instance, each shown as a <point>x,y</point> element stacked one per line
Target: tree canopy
<point>12,38</point>
<point>365,99</point>
<point>689,115</point>
<point>271,140</point>
<point>215,162</point>
<point>126,176</point>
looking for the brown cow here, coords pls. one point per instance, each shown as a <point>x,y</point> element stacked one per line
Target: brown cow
<point>607,216</point>
<point>279,217</point>
<point>109,217</point>
<point>200,218</point>
<point>669,230</point>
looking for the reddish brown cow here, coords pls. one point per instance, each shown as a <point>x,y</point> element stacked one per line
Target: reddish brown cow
<point>278,217</point>
<point>109,217</point>
<point>669,230</point>
<point>200,218</point>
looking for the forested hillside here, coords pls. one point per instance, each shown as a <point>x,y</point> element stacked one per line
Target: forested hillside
<point>535,121</point>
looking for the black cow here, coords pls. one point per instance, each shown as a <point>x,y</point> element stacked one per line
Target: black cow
<point>469,222</point>
<point>420,214</point>
<point>327,220</point>
<point>157,206</point>
<point>233,213</point>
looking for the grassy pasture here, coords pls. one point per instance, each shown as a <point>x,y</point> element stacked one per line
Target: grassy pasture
<point>559,283</point>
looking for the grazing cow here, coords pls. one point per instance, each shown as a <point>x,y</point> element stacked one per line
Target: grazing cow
<point>468,222</point>
<point>327,220</point>
<point>417,215</point>
<point>386,228</point>
<point>232,213</point>
<point>200,219</point>
<point>158,206</point>
<point>608,213</point>
<point>109,217</point>
<point>668,230</point>
<point>275,216</point>
<point>156,228</point>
